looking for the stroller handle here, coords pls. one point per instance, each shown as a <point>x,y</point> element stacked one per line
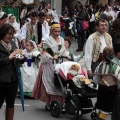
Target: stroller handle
<point>61,58</point>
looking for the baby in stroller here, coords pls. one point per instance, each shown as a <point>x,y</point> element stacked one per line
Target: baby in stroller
<point>71,78</point>
<point>79,79</point>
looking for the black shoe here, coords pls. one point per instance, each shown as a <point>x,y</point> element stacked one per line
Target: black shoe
<point>47,107</point>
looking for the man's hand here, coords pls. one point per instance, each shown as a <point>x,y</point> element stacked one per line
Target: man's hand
<point>89,73</point>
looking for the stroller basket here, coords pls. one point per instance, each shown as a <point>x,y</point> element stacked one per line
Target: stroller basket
<point>84,91</point>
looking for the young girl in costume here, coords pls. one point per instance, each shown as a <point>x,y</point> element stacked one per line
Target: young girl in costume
<point>29,69</point>
<point>68,52</point>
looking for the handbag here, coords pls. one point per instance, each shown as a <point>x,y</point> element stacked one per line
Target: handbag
<point>85,25</point>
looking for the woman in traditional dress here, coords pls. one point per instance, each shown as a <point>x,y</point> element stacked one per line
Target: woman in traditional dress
<point>44,88</point>
<point>12,21</point>
<point>3,18</point>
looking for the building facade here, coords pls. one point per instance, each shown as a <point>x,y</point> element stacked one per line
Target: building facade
<point>59,4</point>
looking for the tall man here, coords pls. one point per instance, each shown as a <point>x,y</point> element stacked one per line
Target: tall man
<point>95,45</point>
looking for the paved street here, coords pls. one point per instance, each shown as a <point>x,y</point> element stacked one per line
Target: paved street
<point>35,110</point>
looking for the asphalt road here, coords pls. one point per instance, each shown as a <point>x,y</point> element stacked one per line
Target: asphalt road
<point>35,109</point>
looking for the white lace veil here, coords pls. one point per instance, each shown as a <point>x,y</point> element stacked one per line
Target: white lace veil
<point>35,46</point>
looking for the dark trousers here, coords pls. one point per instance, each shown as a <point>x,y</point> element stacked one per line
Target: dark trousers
<point>94,65</point>
<point>8,95</point>
<point>81,40</point>
<point>116,109</point>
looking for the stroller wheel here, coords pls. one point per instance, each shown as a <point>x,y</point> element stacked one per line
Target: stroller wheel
<point>93,115</point>
<point>55,108</point>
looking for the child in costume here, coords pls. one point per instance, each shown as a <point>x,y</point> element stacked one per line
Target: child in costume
<point>29,69</point>
<point>107,75</point>
<point>68,52</point>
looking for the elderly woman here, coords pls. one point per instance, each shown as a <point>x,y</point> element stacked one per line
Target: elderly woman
<point>3,18</point>
<point>8,74</point>
<point>44,88</point>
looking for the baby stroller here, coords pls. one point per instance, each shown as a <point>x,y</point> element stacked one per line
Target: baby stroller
<point>77,100</point>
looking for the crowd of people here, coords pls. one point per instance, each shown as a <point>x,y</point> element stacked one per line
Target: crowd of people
<point>95,28</point>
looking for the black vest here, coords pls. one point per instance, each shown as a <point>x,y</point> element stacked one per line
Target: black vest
<point>39,29</point>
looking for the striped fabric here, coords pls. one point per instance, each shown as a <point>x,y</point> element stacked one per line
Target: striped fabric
<point>109,73</point>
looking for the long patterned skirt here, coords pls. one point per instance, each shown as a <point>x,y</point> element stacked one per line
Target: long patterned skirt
<point>39,91</point>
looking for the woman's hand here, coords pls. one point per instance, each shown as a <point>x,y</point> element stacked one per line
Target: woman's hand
<point>12,55</point>
<point>55,57</point>
<point>39,45</point>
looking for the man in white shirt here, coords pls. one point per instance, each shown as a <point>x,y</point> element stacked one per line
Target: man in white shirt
<point>35,29</point>
<point>95,45</point>
<point>29,30</point>
<point>45,27</point>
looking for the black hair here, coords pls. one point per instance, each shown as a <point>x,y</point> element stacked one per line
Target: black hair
<point>4,29</point>
<point>4,16</point>
<point>81,6</point>
<point>103,16</point>
<point>41,14</point>
<point>98,21</point>
<point>54,23</point>
<point>34,14</point>
<point>30,8</point>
